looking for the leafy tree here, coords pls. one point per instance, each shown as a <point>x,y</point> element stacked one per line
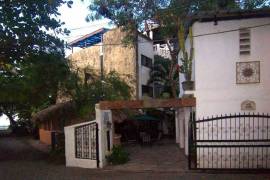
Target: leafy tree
<point>160,75</point>
<point>173,16</point>
<point>31,55</point>
<point>42,76</point>
<point>88,93</point>
<point>34,88</point>
<point>252,4</point>
<point>29,27</point>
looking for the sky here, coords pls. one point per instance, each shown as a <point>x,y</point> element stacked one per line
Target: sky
<point>75,21</point>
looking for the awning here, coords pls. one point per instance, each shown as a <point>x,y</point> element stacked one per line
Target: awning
<point>145,118</point>
<point>89,39</point>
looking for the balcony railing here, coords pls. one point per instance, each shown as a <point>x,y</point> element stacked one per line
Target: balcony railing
<point>162,50</point>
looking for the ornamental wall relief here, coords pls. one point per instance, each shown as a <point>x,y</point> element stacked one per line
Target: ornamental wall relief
<point>247,72</point>
<point>248,105</point>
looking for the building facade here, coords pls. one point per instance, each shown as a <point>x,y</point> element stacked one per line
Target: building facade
<point>103,51</point>
<point>231,59</point>
<point>232,90</point>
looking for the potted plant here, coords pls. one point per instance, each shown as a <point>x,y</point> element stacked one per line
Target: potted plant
<point>186,58</point>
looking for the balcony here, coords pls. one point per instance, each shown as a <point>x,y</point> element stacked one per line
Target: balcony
<point>162,50</point>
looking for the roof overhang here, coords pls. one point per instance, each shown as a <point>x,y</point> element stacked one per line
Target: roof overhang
<point>229,15</point>
<point>152,103</point>
<point>89,39</point>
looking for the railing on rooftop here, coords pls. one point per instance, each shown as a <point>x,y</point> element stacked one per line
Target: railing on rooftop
<point>162,50</point>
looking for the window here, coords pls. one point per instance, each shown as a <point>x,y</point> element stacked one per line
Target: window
<point>147,90</point>
<point>146,61</point>
<point>244,41</point>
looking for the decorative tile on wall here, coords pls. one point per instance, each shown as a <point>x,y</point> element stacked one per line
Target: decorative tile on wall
<point>248,105</point>
<point>247,72</point>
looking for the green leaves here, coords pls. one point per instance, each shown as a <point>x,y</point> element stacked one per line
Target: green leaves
<point>87,94</point>
<point>22,29</point>
<point>35,86</point>
<point>165,74</point>
<point>32,64</point>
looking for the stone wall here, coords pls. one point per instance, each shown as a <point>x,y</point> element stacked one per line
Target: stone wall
<point>85,58</point>
<point>117,57</point>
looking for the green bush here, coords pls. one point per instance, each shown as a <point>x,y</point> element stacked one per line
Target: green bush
<point>118,156</point>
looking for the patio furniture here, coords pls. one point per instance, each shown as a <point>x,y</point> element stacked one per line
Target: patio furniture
<point>145,138</point>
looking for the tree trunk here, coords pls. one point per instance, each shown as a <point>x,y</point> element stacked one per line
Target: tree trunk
<point>171,76</point>
<point>173,88</point>
<point>174,62</point>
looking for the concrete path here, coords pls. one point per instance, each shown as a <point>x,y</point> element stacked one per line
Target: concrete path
<point>160,157</point>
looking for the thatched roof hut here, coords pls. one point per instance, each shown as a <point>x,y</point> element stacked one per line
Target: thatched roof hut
<point>57,116</point>
<point>57,111</point>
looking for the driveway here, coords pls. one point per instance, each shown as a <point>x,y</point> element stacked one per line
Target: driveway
<point>164,156</point>
<point>27,159</point>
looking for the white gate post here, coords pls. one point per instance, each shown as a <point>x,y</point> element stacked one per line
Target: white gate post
<point>181,117</point>
<point>177,133</point>
<point>187,111</point>
<point>104,121</point>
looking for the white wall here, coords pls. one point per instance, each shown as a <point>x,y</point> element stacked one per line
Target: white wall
<point>71,160</point>
<point>145,47</point>
<point>216,55</point>
<point>162,50</point>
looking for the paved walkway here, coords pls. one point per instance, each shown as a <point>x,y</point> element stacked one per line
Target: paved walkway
<point>20,161</point>
<point>160,157</point>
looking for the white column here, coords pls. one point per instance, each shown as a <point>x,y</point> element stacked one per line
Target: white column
<point>102,121</point>
<point>187,111</point>
<point>99,118</point>
<point>177,133</point>
<point>181,117</point>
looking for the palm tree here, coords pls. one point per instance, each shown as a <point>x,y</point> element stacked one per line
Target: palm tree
<point>161,75</point>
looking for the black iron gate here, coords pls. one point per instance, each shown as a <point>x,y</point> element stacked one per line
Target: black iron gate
<point>86,142</point>
<point>239,141</point>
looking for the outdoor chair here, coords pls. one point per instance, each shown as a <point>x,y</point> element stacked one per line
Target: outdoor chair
<point>145,138</point>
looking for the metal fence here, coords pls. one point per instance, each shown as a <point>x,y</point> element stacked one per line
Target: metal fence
<point>235,141</point>
<point>86,141</point>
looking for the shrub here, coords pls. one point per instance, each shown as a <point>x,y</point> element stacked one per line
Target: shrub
<point>118,156</point>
